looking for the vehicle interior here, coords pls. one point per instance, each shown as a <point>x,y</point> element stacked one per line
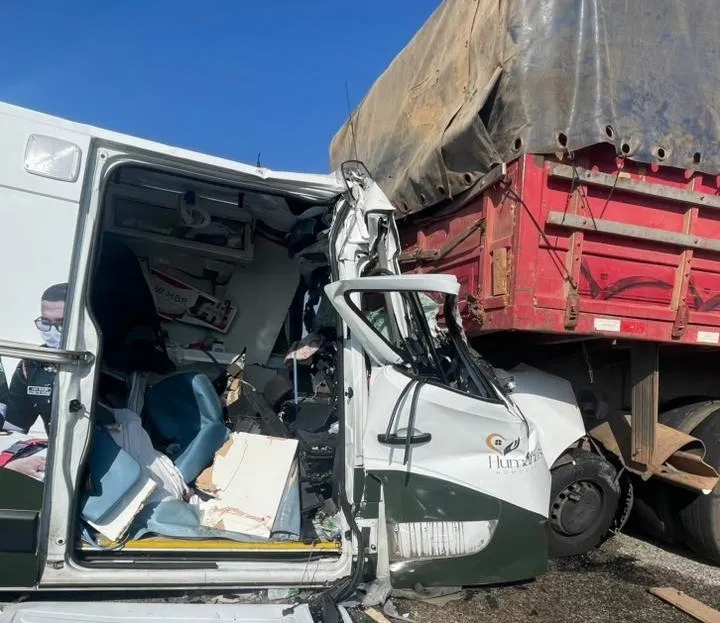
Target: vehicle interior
<point>216,423</point>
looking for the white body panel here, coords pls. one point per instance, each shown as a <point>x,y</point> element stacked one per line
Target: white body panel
<point>461,450</point>
<point>549,402</point>
<point>37,226</point>
<point>381,352</point>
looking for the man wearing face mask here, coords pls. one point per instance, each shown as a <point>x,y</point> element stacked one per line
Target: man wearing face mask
<point>31,387</point>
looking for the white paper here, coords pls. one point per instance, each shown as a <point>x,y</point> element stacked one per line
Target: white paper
<point>250,480</point>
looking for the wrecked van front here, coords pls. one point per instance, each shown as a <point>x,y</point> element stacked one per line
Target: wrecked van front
<point>447,465</point>
<point>217,378</point>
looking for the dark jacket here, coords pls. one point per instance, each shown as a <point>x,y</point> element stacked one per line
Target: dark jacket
<point>30,394</point>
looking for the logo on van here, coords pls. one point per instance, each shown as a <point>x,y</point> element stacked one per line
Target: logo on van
<point>498,443</point>
<point>507,465</point>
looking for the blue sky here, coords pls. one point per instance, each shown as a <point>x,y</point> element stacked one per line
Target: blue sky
<point>229,77</point>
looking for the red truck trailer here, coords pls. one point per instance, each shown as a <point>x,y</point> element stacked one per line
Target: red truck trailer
<point>563,161</point>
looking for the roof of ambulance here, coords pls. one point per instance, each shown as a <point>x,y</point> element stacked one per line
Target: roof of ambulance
<point>319,187</point>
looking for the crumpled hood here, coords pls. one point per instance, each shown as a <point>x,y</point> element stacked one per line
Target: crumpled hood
<point>548,401</point>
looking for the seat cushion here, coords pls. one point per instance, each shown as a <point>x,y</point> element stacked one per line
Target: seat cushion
<point>113,474</point>
<point>184,417</point>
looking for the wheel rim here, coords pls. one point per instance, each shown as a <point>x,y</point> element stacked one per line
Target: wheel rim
<point>577,508</point>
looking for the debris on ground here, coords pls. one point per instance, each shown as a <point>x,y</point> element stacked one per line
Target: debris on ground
<point>689,605</point>
<point>433,596</point>
<point>390,610</point>
<point>607,584</point>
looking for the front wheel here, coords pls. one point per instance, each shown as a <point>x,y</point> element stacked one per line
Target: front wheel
<point>583,503</point>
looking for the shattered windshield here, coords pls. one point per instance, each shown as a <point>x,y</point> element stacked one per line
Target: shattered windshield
<point>414,331</point>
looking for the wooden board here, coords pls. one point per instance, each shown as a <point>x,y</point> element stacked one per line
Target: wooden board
<point>376,616</point>
<point>687,604</point>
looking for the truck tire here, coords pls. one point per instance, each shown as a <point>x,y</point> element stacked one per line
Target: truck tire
<point>687,417</point>
<point>583,503</point>
<point>676,516</point>
<point>700,516</point>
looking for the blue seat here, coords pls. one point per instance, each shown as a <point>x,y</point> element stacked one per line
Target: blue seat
<point>184,418</point>
<point>114,477</point>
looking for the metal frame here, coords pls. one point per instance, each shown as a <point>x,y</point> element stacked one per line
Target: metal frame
<point>637,187</point>
<point>636,232</point>
<point>18,350</point>
<point>645,382</point>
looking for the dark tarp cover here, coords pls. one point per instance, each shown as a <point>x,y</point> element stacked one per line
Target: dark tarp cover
<point>484,81</point>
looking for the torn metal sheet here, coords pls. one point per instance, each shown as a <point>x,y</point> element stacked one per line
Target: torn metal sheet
<point>678,457</point>
<point>391,612</point>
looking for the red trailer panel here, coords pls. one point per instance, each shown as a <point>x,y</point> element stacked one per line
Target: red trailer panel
<point>596,245</point>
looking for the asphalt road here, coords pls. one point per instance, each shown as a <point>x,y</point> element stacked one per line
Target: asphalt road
<point>609,584</point>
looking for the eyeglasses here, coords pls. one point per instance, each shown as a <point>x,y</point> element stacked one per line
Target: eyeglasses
<point>45,324</point>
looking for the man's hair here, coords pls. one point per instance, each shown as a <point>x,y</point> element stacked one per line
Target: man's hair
<point>56,293</point>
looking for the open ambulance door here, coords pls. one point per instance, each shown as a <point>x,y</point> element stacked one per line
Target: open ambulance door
<point>460,470</point>
<point>43,173</point>
<point>53,180</point>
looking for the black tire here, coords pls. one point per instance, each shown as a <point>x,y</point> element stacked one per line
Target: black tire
<point>583,503</point>
<point>655,511</point>
<point>676,516</point>
<point>688,417</point>
<point>677,404</point>
<point>700,516</point>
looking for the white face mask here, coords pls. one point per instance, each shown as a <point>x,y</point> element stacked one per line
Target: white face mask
<point>51,338</point>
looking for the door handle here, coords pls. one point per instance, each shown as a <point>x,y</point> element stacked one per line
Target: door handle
<point>417,438</point>
<point>395,439</point>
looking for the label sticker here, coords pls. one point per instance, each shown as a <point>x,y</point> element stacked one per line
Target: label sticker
<point>708,337</point>
<point>39,390</point>
<point>606,324</point>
